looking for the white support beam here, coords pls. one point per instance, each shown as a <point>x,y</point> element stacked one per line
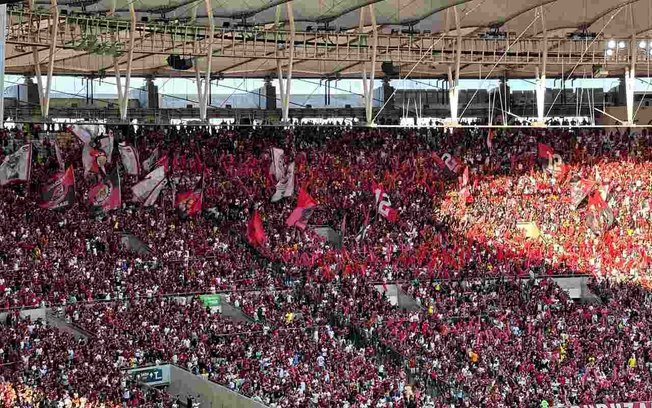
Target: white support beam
<point>281,84</point>
<point>541,75</point>
<point>124,101</point>
<point>454,81</point>
<point>285,101</point>
<point>204,85</point>
<point>630,81</point>
<point>369,89</point>
<point>44,91</point>
<point>361,33</point>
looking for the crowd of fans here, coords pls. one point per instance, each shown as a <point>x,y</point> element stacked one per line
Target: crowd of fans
<point>485,332</point>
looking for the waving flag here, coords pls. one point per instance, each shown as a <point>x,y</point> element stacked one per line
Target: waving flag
<point>150,162</point>
<point>85,133</point>
<point>190,202</point>
<point>600,217</point>
<point>148,189</point>
<point>285,186</point>
<point>17,167</point>
<point>93,159</point>
<point>277,167</point>
<point>579,190</point>
<point>447,164</point>
<point>59,192</point>
<point>330,235</point>
<point>59,155</point>
<point>544,151</point>
<point>383,203</point>
<point>129,157</point>
<point>106,145</point>
<point>106,195</point>
<point>303,211</point>
<point>255,232</point>
<point>453,164</point>
<point>133,244</point>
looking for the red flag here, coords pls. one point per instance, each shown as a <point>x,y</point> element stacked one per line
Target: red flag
<point>106,195</point>
<point>490,140</point>
<point>60,191</point>
<point>383,203</point>
<point>255,232</point>
<point>544,151</point>
<point>596,201</point>
<point>190,202</point>
<point>93,159</point>
<point>303,211</point>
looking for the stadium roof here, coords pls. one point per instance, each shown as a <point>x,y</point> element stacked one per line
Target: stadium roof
<point>433,19</point>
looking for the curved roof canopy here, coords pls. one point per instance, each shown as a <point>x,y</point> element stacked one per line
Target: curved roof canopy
<point>607,18</point>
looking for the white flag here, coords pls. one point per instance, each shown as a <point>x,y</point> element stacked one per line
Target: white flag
<point>285,186</point>
<point>148,189</point>
<point>151,160</point>
<point>277,168</point>
<point>129,158</point>
<point>17,166</point>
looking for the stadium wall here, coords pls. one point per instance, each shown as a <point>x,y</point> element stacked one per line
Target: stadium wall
<point>211,395</point>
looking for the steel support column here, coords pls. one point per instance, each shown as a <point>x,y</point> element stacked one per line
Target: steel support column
<point>124,102</point>
<point>368,82</point>
<point>541,75</point>
<point>203,89</point>
<point>630,80</point>
<point>286,91</point>
<point>453,82</point>
<point>44,91</point>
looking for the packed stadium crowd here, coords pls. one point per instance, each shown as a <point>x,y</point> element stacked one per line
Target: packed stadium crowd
<point>119,231</point>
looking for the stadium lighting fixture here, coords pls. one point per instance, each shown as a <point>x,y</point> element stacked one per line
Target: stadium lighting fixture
<point>611,44</point>
<point>650,52</point>
<point>610,52</point>
<point>642,44</point>
<point>622,44</point>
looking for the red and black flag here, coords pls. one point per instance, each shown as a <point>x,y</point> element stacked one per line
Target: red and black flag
<point>59,191</point>
<point>106,195</point>
<point>303,211</point>
<point>189,203</point>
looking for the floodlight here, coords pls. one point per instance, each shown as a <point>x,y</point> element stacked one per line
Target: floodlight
<point>611,44</point>
<point>622,44</point>
<point>610,52</point>
<point>642,44</point>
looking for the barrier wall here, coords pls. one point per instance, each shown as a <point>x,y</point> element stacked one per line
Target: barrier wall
<point>211,395</point>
